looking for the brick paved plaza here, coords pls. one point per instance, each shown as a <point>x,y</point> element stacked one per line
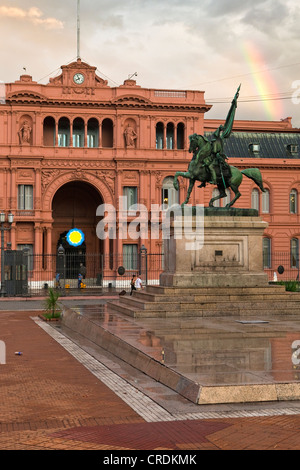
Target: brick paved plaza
<point>51,397</point>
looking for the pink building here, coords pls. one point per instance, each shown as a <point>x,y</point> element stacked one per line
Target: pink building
<point>75,143</point>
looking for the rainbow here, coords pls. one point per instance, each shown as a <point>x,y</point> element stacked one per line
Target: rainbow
<point>264,82</point>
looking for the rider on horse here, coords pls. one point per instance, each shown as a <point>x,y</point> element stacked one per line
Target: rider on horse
<point>217,158</point>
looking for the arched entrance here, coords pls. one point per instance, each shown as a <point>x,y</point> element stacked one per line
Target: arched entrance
<point>74,206</point>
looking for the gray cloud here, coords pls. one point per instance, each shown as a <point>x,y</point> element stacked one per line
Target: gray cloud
<point>170,43</point>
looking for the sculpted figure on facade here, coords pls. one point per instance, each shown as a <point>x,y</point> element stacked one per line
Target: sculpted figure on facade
<point>25,133</point>
<point>130,136</point>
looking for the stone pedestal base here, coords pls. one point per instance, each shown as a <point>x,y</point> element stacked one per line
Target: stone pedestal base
<point>228,252</point>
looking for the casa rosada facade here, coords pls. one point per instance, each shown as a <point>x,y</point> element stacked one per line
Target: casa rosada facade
<point>75,143</point>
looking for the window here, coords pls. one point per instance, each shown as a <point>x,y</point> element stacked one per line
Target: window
<point>294,201</point>
<point>267,252</point>
<point>266,202</point>
<point>93,133</point>
<point>63,132</point>
<point>254,149</point>
<point>294,253</point>
<point>180,136</point>
<point>170,195</point>
<point>159,135</point>
<point>49,132</point>
<point>78,132</point>
<point>29,249</point>
<point>130,257</point>
<point>255,199</point>
<point>131,193</point>
<point>25,197</point>
<point>170,136</point>
<point>107,133</point>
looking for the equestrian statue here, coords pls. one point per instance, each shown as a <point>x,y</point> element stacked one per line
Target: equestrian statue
<point>209,163</point>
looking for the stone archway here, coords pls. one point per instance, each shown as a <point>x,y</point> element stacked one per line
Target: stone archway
<point>74,205</point>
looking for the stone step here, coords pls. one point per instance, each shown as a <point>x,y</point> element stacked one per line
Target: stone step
<point>227,305</point>
<point>236,309</point>
<point>117,307</point>
<point>208,297</point>
<point>162,290</point>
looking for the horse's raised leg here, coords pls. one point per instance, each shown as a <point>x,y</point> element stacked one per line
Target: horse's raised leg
<point>185,174</point>
<point>235,189</point>
<point>190,189</point>
<point>222,194</point>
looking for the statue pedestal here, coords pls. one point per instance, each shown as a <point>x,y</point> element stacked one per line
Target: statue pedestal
<point>229,255</point>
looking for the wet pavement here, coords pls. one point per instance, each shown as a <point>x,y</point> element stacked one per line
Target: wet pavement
<point>65,392</point>
<point>213,352</point>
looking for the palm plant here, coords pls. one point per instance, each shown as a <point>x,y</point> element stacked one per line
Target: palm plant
<point>52,305</point>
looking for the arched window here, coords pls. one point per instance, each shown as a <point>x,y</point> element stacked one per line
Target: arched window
<point>159,135</point>
<point>266,202</point>
<point>170,136</point>
<point>255,199</point>
<point>170,195</point>
<point>49,131</point>
<point>93,133</point>
<point>294,253</point>
<point>107,133</point>
<point>267,252</point>
<point>294,201</point>
<point>63,132</point>
<point>180,136</point>
<point>78,132</point>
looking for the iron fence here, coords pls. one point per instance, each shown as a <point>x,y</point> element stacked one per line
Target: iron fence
<point>100,273</point>
<point>33,274</point>
<point>282,266</point>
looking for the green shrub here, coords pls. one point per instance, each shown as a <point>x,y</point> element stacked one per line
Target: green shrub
<point>291,286</point>
<point>52,305</point>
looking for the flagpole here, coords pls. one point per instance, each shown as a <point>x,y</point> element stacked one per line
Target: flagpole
<point>78,29</point>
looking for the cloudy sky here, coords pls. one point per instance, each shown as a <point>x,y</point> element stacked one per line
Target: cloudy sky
<point>210,45</point>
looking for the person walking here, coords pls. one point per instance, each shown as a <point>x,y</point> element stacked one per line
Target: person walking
<point>138,283</point>
<point>132,284</point>
<point>80,277</point>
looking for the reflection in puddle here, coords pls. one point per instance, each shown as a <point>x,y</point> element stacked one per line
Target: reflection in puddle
<point>211,351</point>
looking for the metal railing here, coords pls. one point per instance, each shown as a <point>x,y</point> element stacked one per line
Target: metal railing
<point>282,266</point>
<point>107,272</point>
<point>100,273</point>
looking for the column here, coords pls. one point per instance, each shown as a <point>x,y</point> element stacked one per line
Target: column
<point>13,191</point>
<point>38,243</point>
<point>71,134</point>
<point>100,135</point>
<point>12,232</point>
<point>56,134</point>
<point>85,133</point>
<point>165,137</point>
<point>49,240</point>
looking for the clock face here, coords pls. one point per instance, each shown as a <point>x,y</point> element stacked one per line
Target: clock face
<point>78,78</point>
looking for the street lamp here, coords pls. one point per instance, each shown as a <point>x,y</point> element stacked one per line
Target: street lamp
<point>10,219</point>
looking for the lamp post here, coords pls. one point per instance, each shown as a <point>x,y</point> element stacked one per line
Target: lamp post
<point>10,219</point>
<point>143,252</point>
<point>61,262</point>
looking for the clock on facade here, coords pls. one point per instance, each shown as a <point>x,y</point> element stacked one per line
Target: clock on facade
<point>78,78</point>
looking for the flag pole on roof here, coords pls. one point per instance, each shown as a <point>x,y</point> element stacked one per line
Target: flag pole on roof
<point>78,29</point>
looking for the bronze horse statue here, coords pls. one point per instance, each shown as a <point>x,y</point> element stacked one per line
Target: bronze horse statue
<point>197,171</point>
<point>209,165</point>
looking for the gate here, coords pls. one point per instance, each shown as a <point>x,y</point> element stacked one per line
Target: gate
<point>15,273</point>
